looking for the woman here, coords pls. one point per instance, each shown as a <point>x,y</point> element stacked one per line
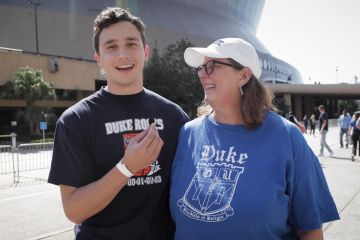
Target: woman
<point>355,134</point>
<point>241,171</point>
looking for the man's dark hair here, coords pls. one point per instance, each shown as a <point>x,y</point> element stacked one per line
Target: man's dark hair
<point>112,15</point>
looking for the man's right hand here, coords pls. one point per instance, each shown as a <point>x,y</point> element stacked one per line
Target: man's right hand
<point>80,203</point>
<point>143,149</point>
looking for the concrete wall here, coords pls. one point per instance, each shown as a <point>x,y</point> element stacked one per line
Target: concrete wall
<point>72,74</point>
<point>61,31</point>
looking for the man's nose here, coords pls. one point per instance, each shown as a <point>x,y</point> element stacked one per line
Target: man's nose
<point>122,53</point>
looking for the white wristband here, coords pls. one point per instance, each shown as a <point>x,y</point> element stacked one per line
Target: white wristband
<point>123,169</point>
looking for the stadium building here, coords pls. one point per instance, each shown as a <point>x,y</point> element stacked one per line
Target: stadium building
<point>56,37</point>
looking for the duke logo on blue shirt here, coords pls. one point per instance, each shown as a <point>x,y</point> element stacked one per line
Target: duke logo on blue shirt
<point>210,192</point>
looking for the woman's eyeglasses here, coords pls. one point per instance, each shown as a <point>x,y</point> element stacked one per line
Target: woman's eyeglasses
<point>210,66</point>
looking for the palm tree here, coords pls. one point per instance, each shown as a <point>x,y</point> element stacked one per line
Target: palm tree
<point>30,85</point>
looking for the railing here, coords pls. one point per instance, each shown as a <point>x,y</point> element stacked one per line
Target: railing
<point>26,157</point>
<point>13,138</point>
<point>7,161</point>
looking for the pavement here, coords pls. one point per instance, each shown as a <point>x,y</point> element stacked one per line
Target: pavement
<point>32,209</point>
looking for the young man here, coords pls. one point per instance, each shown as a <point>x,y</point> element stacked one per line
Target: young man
<point>323,128</point>
<point>111,162</point>
<point>344,124</point>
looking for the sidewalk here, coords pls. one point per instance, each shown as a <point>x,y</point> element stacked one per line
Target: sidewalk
<point>32,210</point>
<point>343,177</point>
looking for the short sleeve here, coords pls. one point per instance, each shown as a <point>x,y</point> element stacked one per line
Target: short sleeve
<point>311,202</point>
<point>72,163</point>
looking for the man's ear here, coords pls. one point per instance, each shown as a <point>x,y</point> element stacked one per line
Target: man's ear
<point>97,59</point>
<point>245,76</point>
<point>147,52</point>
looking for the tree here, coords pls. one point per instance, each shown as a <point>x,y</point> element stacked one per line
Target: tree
<point>30,85</point>
<point>350,105</point>
<point>279,102</point>
<point>169,76</point>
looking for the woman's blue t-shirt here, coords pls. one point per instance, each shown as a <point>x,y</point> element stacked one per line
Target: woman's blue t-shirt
<point>231,182</point>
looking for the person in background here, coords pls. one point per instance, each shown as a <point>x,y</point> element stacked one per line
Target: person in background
<point>113,150</point>
<point>312,124</point>
<point>354,131</point>
<point>241,171</point>
<point>323,128</point>
<point>293,119</point>
<point>306,123</point>
<point>344,124</point>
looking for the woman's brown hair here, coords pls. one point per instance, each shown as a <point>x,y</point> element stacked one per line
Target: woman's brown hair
<point>255,102</point>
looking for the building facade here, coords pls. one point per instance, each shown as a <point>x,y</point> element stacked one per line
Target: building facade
<point>64,28</point>
<point>56,37</point>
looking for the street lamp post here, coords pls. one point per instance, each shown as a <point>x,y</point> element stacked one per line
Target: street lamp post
<point>337,74</point>
<point>35,5</point>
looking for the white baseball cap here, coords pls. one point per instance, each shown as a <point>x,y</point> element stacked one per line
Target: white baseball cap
<point>234,48</point>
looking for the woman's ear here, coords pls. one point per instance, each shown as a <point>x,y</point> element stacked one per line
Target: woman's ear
<point>245,75</point>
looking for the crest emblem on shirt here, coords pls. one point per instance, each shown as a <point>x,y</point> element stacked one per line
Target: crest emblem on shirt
<point>210,192</point>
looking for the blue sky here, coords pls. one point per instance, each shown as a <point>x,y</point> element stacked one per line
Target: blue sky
<point>315,36</point>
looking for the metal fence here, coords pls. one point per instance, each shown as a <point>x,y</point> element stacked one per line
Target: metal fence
<point>26,157</point>
<point>7,160</point>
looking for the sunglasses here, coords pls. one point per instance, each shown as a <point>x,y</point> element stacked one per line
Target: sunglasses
<point>210,66</point>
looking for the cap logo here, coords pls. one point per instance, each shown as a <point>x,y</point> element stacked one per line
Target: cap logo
<point>218,42</point>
